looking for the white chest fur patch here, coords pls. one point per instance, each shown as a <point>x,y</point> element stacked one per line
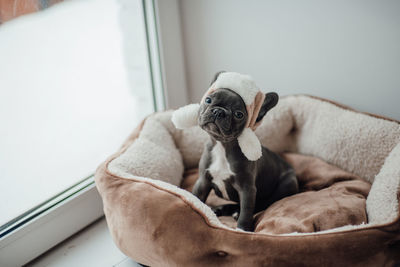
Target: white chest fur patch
<point>219,168</point>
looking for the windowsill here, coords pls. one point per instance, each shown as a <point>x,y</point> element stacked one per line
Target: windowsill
<point>84,248</point>
<point>58,222</point>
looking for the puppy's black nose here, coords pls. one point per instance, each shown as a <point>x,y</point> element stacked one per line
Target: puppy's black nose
<point>219,113</point>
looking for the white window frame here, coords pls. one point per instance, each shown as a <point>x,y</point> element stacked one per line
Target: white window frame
<point>48,224</point>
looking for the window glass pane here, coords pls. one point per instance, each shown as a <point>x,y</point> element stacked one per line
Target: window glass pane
<point>74,82</point>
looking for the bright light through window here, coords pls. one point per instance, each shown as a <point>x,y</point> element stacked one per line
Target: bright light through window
<point>73,85</point>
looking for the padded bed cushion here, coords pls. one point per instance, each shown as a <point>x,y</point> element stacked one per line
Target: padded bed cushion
<point>330,198</point>
<point>337,218</point>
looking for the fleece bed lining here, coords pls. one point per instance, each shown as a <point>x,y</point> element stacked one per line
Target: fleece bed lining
<point>298,124</point>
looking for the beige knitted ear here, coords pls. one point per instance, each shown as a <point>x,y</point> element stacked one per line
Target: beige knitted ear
<point>255,109</point>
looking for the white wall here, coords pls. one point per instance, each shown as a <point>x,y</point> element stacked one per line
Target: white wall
<point>344,50</point>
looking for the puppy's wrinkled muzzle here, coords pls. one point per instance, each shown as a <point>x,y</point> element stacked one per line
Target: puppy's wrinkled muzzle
<point>218,113</point>
<point>211,127</point>
<point>217,122</point>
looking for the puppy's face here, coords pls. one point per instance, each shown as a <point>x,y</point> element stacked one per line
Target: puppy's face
<point>223,115</point>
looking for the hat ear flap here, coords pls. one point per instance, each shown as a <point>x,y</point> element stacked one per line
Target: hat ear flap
<point>186,116</point>
<point>250,145</point>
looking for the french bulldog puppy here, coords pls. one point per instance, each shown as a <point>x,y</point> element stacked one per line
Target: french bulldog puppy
<point>255,185</point>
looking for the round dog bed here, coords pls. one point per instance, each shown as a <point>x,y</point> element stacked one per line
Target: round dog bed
<point>338,218</point>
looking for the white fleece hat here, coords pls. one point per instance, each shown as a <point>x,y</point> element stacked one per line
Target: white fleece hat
<point>253,98</point>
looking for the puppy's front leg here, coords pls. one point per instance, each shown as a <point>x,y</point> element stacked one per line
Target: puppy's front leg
<point>202,187</point>
<point>247,197</point>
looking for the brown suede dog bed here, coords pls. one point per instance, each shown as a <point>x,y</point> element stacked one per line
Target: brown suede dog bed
<point>338,218</point>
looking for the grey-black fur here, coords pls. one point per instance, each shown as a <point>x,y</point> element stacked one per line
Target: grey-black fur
<point>255,185</point>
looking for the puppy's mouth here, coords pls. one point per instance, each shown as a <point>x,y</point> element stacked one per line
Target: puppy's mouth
<point>216,131</point>
<point>212,127</point>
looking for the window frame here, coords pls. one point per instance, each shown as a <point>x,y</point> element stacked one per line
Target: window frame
<point>46,225</point>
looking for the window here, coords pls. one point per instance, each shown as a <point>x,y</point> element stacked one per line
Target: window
<point>75,79</point>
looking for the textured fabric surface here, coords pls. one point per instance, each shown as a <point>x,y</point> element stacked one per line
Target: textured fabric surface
<point>329,198</point>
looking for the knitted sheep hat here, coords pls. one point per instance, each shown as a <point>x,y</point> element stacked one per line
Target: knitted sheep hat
<point>253,98</point>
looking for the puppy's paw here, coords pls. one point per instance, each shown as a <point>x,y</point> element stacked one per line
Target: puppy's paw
<point>246,226</point>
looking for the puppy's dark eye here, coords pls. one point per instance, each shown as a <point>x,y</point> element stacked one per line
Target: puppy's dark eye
<point>208,100</point>
<point>238,114</point>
